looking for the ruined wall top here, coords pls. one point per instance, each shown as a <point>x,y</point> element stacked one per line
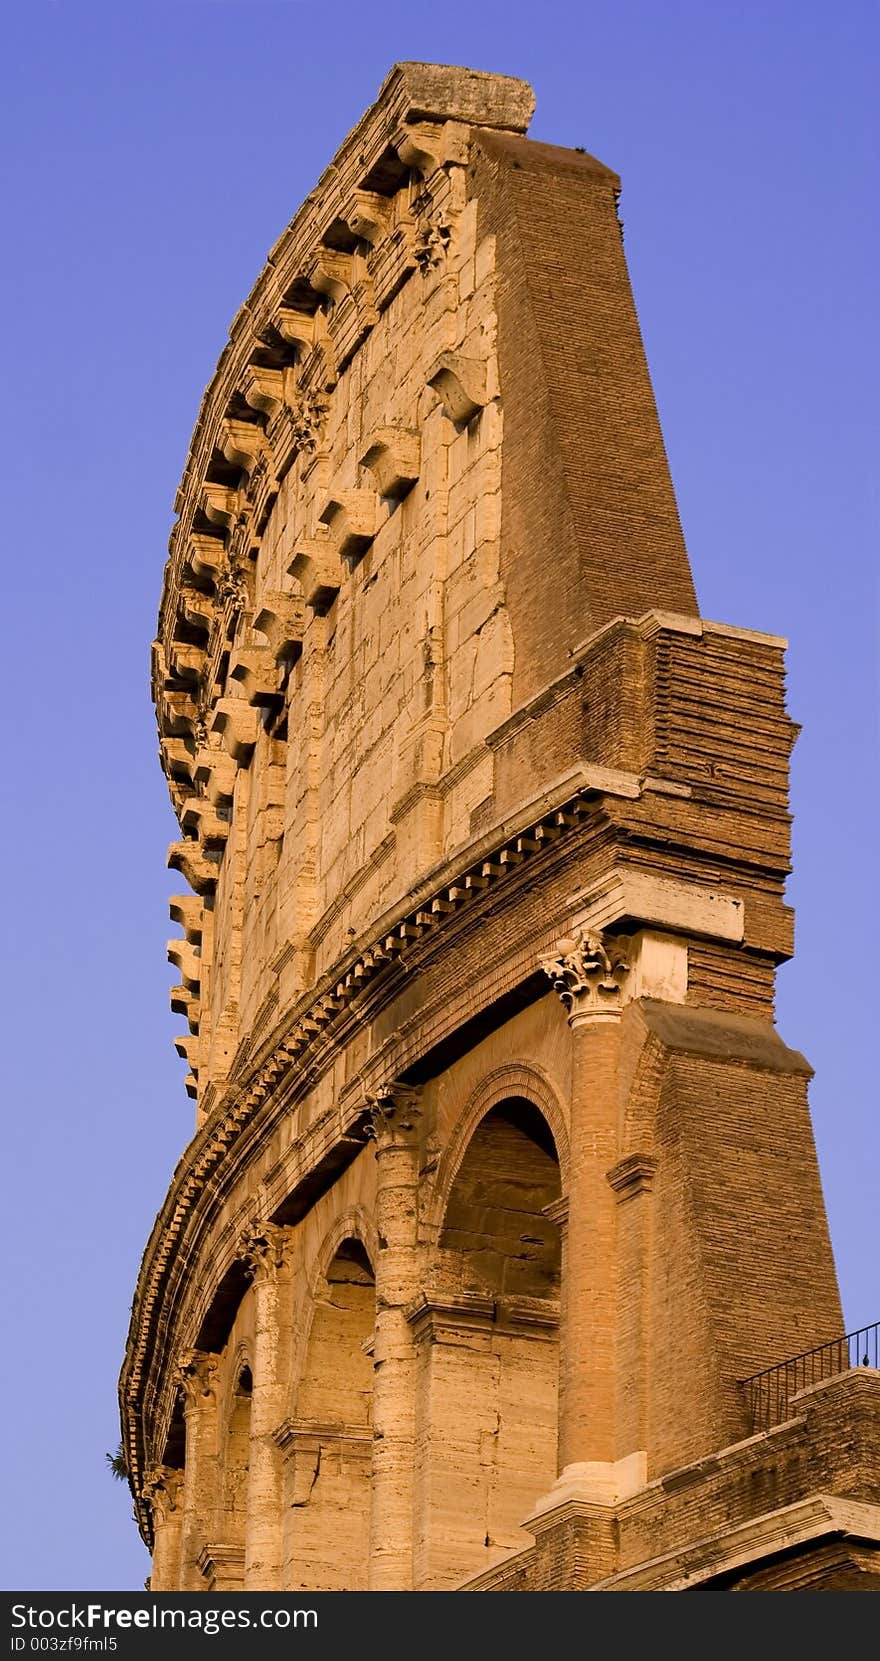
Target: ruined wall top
<point>428,468</point>
<point>416,121</point>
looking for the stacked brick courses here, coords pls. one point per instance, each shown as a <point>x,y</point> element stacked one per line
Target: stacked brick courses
<point>502,1179</point>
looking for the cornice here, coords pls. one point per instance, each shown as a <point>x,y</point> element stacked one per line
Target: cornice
<point>308,1043</point>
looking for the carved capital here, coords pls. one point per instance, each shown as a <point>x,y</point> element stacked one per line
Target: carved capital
<point>588,971</point>
<point>197,1371</point>
<point>232,588</point>
<point>309,417</point>
<point>393,1116</point>
<point>433,233</point>
<point>162,1491</point>
<point>263,1248</point>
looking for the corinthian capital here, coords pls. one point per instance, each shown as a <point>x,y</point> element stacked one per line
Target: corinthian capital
<point>196,1370</point>
<point>263,1247</point>
<point>588,971</point>
<point>394,1114</point>
<point>161,1490</point>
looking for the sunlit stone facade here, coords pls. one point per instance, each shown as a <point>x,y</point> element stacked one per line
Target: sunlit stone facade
<point>502,1181</point>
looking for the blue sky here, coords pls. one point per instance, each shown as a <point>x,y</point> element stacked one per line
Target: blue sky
<point>151,155</point>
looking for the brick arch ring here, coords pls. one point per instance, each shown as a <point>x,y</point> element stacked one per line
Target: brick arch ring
<point>517,1078</point>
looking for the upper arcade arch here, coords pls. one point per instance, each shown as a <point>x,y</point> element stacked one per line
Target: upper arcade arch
<point>495,1227</point>
<point>518,1080</point>
<point>327,1442</point>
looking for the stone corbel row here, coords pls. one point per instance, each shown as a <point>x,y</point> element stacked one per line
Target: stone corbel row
<point>371,244</point>
<point>202,775</point>
<point>269,420</point>
<point>185,998</point>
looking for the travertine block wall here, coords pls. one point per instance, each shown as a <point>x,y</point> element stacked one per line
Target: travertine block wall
<point>502,1181</point>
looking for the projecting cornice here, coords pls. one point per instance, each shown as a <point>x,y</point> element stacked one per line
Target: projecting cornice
<point>370,222</point>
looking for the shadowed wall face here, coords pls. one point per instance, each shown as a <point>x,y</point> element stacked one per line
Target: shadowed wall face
<point>590,526</point>
<point>495,1230</point>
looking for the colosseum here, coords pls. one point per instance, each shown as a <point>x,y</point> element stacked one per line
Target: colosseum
<point>498,1257</point>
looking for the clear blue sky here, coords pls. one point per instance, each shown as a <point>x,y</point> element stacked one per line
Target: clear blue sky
<point>152,153</point>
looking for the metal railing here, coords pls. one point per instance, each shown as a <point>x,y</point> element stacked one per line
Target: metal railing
<point>769,1393</point>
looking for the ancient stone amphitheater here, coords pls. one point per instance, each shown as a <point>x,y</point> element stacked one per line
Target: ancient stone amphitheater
<point>501,1220</point>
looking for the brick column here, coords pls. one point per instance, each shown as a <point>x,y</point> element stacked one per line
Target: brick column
<point>266,1249</point>
<point>198,1375</point>
<point>587,972</point>
<point>163,1492</point>
<point>394,1117</point>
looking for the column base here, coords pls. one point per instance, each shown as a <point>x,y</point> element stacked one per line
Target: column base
<point>590,1482</point>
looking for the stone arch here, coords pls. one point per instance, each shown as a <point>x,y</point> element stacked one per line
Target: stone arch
<point>516,1079</point>
<point>487,1337</point>
<point>328,1440</point>
<point>496,1237</point>
<point>235,1450</point>
<point>355,1223</point>
<point>240,1359</point>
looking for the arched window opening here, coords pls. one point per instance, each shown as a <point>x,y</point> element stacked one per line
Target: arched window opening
<point>495,1230</point>
<point>236,1459</point>
<point>329,1441</point>
<point>488,1352</point>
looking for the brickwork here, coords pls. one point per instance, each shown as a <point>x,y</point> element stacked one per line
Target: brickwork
<point>710,1524</point>
<point>501,1178</point>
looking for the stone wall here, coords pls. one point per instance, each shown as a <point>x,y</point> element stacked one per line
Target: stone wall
<point>502,1181</point>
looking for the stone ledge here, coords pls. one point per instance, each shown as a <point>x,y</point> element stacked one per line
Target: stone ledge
<point>807,1522</point>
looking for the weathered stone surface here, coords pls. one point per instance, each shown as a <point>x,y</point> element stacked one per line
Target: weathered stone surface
<point>460,1274</point>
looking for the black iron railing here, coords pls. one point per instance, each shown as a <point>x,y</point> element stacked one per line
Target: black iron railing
<point>769,1393</point>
